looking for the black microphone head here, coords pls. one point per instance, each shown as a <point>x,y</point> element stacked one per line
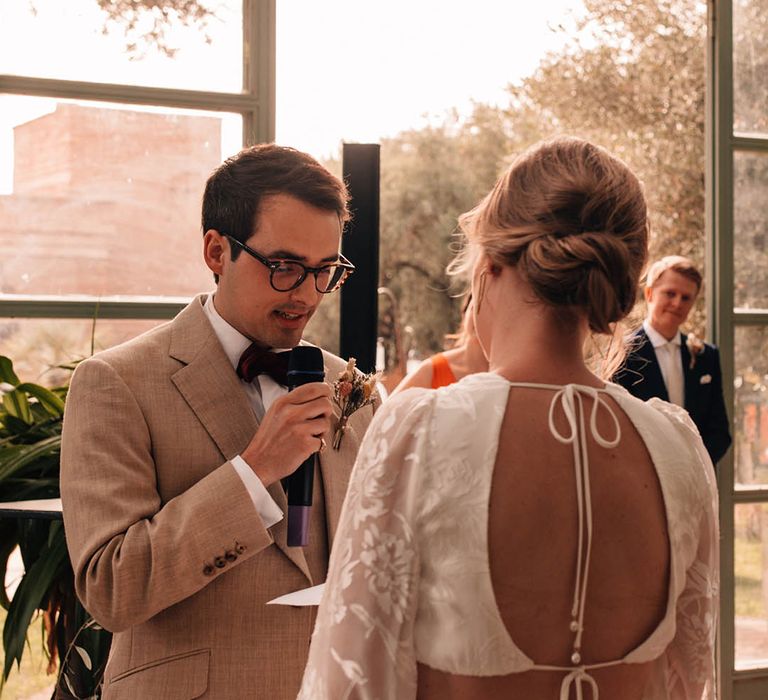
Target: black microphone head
<point>305,365</point>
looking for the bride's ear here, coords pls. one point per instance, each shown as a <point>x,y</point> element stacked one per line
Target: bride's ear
<point>484,265</point>
<point>488,266</point>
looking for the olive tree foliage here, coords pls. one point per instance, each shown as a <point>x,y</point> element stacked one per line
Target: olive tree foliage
<point>148,25</point>
<point>428,178</point>
<point>631,78</point>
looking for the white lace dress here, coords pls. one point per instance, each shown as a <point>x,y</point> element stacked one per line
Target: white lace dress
<point>423,477</point>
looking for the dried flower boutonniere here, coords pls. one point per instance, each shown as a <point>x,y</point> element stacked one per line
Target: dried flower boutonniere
<point>352,390</point>
<point>695,347</point>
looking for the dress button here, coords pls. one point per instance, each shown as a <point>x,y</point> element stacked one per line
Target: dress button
<point>208,570</point>
<point>229,555</point>
<point>219,562</point>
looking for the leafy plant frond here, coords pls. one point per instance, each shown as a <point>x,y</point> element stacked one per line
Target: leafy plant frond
<point>15,458</point>
<point>29,596</point>
<point>16,404</point>
<point>49,400</point>
<point>31,418</point>
<point>7,374</point>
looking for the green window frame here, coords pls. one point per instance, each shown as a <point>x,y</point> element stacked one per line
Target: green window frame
<point>723,145</point>
<point>255,104</point>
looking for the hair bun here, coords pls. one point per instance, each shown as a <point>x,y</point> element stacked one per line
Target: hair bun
<point>573,219</point>
<point>590,270</point>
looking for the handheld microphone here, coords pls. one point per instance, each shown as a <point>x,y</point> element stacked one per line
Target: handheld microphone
<point>305,365</point>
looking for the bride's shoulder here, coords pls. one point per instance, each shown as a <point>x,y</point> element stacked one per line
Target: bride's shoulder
<point>667,428</point>
<point>408,404</point>
<point>654,409</point>
<point>471,390</point>
<point>477,383</point>
<point>481,387</point>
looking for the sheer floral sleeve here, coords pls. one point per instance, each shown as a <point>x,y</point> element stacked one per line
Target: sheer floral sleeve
<point>690,657</point>
<point>362,646</point>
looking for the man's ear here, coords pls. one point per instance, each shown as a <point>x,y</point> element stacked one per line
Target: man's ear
<point>215,250</point>
<point>647,292</point>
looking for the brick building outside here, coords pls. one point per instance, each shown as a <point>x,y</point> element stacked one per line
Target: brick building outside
<point>105,202</point>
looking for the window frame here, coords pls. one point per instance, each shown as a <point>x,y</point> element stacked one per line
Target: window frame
<point>723,318</point>
<point>255,104</point>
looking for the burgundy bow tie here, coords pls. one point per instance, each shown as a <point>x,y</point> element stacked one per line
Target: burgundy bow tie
<point>258,360</point>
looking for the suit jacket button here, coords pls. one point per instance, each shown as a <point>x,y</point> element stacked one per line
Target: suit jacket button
<point>239,548</point>
<point>208,570</point>
<point>229,555</point>
<point>219,562</point>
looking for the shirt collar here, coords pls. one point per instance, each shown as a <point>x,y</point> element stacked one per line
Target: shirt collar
<point>657,339</point>
<point>231,339</point>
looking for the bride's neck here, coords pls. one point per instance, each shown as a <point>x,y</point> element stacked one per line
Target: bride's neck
<point>539,347</point>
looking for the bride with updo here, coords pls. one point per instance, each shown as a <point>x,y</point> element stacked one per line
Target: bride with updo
<point>532,531</point>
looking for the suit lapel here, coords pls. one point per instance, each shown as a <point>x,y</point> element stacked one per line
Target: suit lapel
<point>335,468</point>
<point>688,375</point>
<point>652,371</point>
<point>213,391</point>
<point>209,384</point>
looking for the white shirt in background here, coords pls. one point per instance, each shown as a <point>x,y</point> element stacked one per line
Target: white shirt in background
<point>670,362</point>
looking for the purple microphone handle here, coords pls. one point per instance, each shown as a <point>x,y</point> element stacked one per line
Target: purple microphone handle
<point>298,525</point>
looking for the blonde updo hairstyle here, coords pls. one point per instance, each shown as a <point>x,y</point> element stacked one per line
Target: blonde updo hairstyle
<point>572,219</point>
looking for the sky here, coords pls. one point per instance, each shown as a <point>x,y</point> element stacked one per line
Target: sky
<point>359,70</point>
<point>347,70</point>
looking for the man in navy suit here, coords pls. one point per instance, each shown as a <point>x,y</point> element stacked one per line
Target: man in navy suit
<point>680,369</point>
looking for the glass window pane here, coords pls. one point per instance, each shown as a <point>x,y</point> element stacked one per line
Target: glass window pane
<point>105,199</point>
<point>37,346</point>
<point>750,434</point>
<point>750,244</point>
<point>374,69</point>
<point>198,49</point>
<point>751,592</point>
<point>750,66</point>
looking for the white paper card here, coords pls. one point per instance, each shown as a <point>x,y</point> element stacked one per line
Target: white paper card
<point>306,596</point>
<point>52,505</point>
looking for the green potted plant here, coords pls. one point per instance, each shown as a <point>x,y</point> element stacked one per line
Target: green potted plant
<point>31,418</point>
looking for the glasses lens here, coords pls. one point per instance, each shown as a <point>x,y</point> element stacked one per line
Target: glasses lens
<point>287,276</point>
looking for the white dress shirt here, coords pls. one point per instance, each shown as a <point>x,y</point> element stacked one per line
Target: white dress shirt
<point>670,362</point>
<point>260,394</point>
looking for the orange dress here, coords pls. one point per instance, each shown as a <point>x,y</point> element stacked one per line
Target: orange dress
<point>442,375</point>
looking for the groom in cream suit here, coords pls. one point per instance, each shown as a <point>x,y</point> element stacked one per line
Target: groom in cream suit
<point>173,455</point>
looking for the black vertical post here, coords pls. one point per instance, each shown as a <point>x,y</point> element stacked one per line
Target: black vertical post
<point>360,244</point>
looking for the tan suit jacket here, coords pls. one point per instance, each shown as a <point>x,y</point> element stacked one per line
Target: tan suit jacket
<point>167,548</point>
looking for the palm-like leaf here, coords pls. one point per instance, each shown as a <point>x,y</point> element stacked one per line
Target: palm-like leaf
<point>7,374</point>
<point>31,595</point>
<point>18,457</point>
<point>30,444</point>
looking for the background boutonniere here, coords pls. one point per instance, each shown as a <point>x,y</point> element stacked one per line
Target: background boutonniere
<point>352,390</point>
<point>695,347</point>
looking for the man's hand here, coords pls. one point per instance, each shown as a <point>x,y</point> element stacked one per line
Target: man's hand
<point>290,432</point>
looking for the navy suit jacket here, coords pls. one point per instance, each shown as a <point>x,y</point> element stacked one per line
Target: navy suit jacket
<point>641,375</point>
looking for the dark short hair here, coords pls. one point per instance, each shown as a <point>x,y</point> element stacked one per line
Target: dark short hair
<point>236,189</point>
